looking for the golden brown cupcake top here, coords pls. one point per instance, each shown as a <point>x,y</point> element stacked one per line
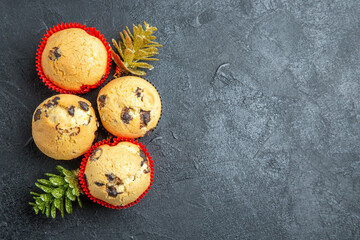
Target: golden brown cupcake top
<point>129,107</point>
<point>118,174</point>
<point>64,126</point>
<point>73,58</point>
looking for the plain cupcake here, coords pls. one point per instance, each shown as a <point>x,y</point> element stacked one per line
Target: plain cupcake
<point>72,58</point>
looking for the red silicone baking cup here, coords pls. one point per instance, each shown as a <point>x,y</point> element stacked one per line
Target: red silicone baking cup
<point>114,142</point>
<point>90,30</point>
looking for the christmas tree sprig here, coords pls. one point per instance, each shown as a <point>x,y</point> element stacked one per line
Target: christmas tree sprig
<point>58,193</point>
<point>136,48</point>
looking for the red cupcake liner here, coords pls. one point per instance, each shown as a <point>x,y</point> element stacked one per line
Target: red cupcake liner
<point>90,30</point>
<point>115,141</point>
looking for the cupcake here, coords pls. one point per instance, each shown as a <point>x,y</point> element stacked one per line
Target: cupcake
<point>72,58</point>
<point>116,175</point>
<point>64,126</point>
<point>129,107</point>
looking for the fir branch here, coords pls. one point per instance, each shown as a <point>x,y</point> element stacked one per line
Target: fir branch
<point>135,48</point>
<point>59,191</point>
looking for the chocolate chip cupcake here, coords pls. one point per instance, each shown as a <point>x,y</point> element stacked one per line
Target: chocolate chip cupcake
<point>118,174</point>
<point>72,58</point>
<point>64,126</point>
<point>129,107</point>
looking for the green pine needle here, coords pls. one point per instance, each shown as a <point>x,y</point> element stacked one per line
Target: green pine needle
<point>136,47</point>
<point>58,191</point>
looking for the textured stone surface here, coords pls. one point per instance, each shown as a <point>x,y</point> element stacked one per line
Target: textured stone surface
<point>260,133</point>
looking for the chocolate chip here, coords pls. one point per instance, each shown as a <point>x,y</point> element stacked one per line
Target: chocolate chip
<point>99,184</point>
<point>84,106</point>
<point>55,100</point>
<point>46,115</point>
<point>52,102</point>
<point>101,100</point>
<point>71,110</point>
<point>143,156</point>
<point>138,92</point>
<point>74,133</point>
<point>110,177</point>
<point>37,115</point>
<point>96,154</point>
<point>89,120</point>
<point>57,53</point>
<point>62,131</point>
<point>148,132</point>
<point>54,54</point>
<point>125,116</point>
<point>145,160</point>
<point>118,181</point>
<point>144,118</point>
<point>111,190</point>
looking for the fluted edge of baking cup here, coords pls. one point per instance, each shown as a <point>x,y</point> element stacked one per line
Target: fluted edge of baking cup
<point>90,30</point>
<point>113,142</point>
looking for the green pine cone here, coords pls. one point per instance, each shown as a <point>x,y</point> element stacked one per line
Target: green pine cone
<point>58,191</point>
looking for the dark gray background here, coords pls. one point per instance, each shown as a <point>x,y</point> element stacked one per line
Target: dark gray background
<point>260,132</point>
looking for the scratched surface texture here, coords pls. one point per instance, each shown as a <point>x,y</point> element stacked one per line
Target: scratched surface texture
<point>260,133</point>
